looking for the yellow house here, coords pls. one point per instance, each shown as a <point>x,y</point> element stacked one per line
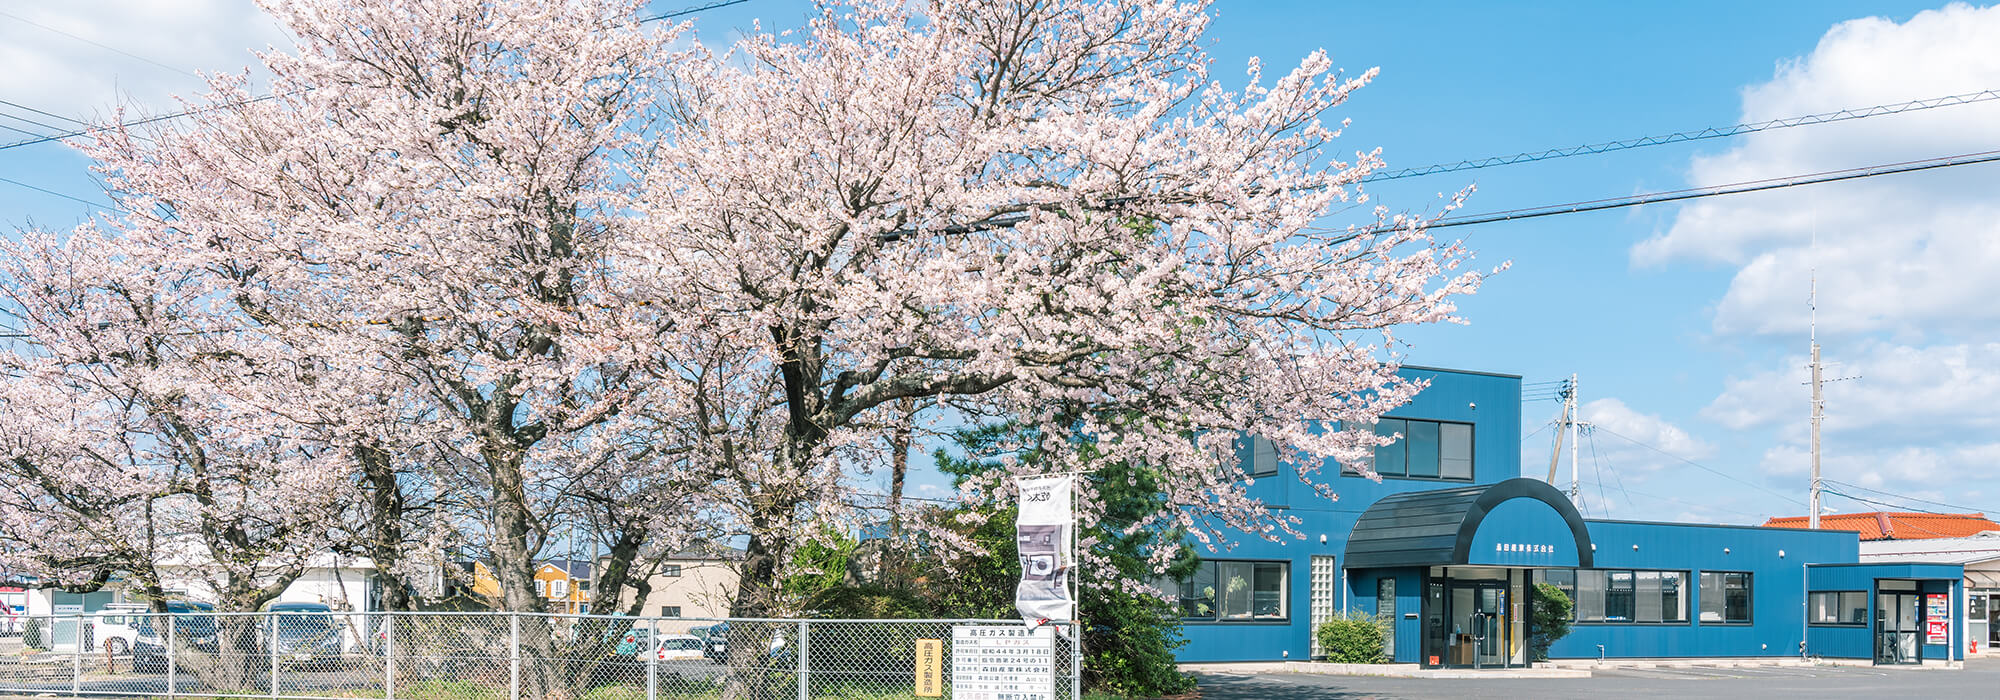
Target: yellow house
<point>563,584</point>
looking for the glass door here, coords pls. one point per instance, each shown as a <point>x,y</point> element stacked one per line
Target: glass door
<point>1992,619</point>
<point>1898,621</point>
<point>1478,623</point>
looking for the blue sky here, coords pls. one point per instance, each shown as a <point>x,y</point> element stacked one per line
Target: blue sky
<point>1685,321</point>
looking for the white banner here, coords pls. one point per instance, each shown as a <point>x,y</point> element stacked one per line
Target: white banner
<point>1042,538</point>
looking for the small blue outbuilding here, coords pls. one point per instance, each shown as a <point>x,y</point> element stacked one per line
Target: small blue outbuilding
<point>1450,546</point>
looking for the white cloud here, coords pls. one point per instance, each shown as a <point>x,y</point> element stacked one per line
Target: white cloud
<point>1903,394</point>
<point>1901,253</point>
<point>56,73</point>
<point>1622,446</point>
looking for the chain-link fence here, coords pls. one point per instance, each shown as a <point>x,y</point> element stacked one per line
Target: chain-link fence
<point>507,656</point>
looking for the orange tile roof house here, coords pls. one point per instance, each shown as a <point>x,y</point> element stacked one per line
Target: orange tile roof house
<point>1897,526</point>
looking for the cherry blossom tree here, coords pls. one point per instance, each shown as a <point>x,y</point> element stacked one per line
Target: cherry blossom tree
<point>549,263</point>
<point>420,215</point>
<point>130,443</point>
<point>1043,210</point>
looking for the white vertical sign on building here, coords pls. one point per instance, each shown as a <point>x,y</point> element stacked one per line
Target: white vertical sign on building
<point>1042,539</point>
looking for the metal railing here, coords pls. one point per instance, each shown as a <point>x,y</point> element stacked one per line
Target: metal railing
<point>512,656</point>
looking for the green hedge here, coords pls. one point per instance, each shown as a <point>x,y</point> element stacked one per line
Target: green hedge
<point>1354,638</point>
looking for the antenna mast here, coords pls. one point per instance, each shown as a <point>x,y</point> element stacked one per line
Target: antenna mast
<point>1818,405</point>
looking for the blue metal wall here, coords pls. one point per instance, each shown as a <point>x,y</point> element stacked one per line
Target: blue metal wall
<point>1776,559</point>
<point>1858,642</point>
<point>1490,402</point>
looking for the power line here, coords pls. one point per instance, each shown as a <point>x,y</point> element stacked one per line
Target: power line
<point>79,200</point>
<point>106,47</point>
<point>1687,136</point>
<point>72,120</point>
<point>136,122</point>
<point>1963,509</point>
<point>1699,465</point>
<point>1875,502</point>
<point>210,108</point>
<point>692,10</point>
<point>1710,191</point>
<point>1671,499</point>
<point>1591,432</point>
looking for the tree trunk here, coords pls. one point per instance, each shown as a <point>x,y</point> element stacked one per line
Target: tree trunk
<point>385,513</point>
<point>514,570</point>
<point>899,469</point>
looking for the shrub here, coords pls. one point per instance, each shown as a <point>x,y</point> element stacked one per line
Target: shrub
<point>1353,638</point>
<point>31,635</point>
<point>1548,620</point>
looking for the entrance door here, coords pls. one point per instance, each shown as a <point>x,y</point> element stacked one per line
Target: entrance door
<point>1898,621</point>
<point>1992,620</point>
<point>1478,614</point>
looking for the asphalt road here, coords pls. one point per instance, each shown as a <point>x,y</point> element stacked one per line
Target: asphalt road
<point>1979,679</point>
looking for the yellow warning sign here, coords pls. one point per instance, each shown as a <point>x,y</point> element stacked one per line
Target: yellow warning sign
<point>930,668</point>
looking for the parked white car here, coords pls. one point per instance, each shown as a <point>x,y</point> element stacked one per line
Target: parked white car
<point>678,647</point>
<point>113,629</point>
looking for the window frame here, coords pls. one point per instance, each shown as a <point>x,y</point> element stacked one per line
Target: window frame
<point>1749,597</point>
<point>1218,601</point>
<point>1576,585</point>
<point>1811,609</point>
<point>670,570</point>
<point>670,611</point>
<point>1403,445</point>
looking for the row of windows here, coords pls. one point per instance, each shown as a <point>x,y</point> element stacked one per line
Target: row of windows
<point>1428,450</point>
<point>1622,596</point>
<point>1236,591</point>
<point>1837,607</point>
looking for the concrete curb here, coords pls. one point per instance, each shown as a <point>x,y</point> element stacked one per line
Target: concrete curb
<point>1380,670</point>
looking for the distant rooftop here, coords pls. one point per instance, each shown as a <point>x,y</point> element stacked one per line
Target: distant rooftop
<point>1897,526</point>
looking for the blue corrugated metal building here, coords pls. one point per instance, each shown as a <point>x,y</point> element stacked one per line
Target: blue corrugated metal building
<point>1450,545</point>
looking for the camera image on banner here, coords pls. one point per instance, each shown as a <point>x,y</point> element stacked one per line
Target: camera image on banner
<point>1042,540</point>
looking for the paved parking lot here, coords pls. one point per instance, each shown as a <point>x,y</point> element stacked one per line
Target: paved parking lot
<point>1980,678</point>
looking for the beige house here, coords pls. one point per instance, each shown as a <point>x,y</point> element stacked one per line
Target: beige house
<point>691,589</point>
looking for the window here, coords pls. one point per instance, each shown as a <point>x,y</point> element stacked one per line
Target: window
<point>1621,596</point>
<point>1837,607</point>
<point>670,611</point>
<point>1725,597</point>
<point>1385,609</point>
<point>1236,591</point>
<point>1258,457</point>
<point>1325,582</point>
<point>558,588</point>
<point>671,570</point>
<point>542,587</point>
<point>1427,450</point>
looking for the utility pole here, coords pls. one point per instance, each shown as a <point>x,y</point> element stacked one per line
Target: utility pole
<point>1569,421</point>
<point>1575,494</point>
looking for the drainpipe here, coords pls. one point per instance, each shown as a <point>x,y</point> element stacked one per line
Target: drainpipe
<point>1343,591</point>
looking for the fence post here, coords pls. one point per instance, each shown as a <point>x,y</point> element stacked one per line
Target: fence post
<point>172,689</point>
<point>652,653</point>
<point>76,658</point>
<point>514,656</point>
<point>271,628</point>
<point>805,665</point>
<point>1076,661</point>
<point>389,656</point>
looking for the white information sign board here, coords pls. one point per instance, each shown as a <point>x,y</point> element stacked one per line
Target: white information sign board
<point>1003,662</point>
